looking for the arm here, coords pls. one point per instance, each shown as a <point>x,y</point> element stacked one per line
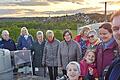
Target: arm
<point>59,56</point>
<point>79,53</point>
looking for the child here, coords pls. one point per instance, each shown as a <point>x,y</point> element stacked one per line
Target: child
<point>88,67</point>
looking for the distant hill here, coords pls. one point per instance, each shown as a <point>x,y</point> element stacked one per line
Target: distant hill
<point>45,23</point>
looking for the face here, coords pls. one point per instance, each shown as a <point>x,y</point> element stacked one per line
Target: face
<point>67,37</point>
<point>5,36</point>
<point>24,32</point>
<point>90,57</point>
<point>72,72</point>
<point>39,37</point>
<point>86,32</point>
<point>50,37</point>
<point>116,28</point>
<point>105,35</point>
<point>91,38</point>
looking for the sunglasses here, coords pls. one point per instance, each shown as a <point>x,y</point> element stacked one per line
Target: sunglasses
<point>92,36</point>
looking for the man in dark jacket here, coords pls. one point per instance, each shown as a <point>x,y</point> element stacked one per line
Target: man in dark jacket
<point>114,70</point>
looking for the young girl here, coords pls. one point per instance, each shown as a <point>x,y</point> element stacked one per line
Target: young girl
<point>88,67</point>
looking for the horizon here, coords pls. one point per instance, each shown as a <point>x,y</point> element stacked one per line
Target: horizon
<point>54,8</point>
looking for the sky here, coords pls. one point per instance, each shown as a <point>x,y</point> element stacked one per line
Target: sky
<point>46,8</point>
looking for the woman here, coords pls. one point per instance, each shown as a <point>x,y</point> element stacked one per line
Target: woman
<point>6,42</point>
<point>37,48</point>
<point>73,71</point>
<point>106,50</point>
<point>25,40</point>
<point>83,40</point>
<point>69,50</point>
<point>50,54</point>
<point>93,39</point>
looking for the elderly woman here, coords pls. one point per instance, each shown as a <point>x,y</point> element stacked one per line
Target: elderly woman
<point>73,71</point>
<point>106,50</point>
<point>50,54</point>
<point>25,40</point>
<point>69,50</point>
<point>6,42</point>
<point>37,48</point>
<point>83,40</point>
<point>93,39</point>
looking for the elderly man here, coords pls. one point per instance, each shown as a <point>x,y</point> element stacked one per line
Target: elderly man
<point>114,70</point>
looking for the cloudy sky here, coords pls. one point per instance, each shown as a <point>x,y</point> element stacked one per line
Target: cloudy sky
<point>40,8</point>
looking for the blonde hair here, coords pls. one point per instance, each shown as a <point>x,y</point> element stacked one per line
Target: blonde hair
<point>84,29</point>
<point>115,13</point>
<point>24,28</point>
<point>5,31</point>
<point>49,32</point>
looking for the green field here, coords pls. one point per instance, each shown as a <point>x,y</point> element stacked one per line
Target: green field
<point>15,32</point>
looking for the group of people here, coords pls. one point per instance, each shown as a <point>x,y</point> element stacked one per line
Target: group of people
<point>89,56</point>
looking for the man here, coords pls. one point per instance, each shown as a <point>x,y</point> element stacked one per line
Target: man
<point>114,70</point>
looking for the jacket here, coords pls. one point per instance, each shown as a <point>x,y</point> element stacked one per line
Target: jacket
<point>22,42</point>
<point>50,53</point>
<point>84,68</point>
<point>37,49</point>
<point>10,44</point>
<point>68,52</point>
<point>105,56</point>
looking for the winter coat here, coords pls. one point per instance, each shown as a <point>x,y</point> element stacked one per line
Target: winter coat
<point>85,68</point>
<point>50,53</point>
<point>22,42</point>
<point>105,56</point>
<point>37,49</point>
<point>93,46</point>
<point>83,44</point>
<point>68,52</point>
<point>10,44</point>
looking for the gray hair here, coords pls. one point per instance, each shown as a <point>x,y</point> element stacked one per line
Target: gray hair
<point>39,33</point>
<point>92,32</point>
<point>74,63</point>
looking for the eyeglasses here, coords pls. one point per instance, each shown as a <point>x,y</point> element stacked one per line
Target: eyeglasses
<point>92,36</point>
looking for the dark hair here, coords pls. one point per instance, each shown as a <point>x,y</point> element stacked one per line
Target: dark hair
<point>67,31</point>
<point>107,26</point>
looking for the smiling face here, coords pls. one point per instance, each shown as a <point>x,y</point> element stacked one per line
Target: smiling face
<point>105,35</point>
<point>67,36</point>
<point>91,38</point>
<point>90,57</point>
<point>73,72</point>
<point>116,28</point>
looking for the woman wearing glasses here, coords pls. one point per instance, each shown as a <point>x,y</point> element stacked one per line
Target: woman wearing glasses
<point>93,39</point>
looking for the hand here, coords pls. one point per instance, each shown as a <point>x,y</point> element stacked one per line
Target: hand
<point>24,48</point>
<point>90,70</point>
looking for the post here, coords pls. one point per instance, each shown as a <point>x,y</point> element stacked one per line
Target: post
<point>105,11</point>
